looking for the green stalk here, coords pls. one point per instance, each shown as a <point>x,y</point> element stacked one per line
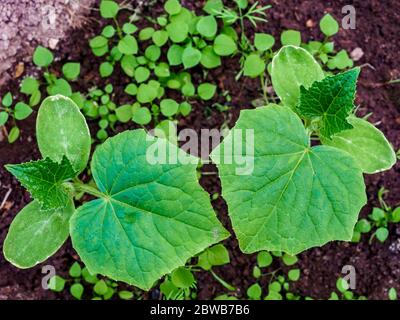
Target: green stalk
<point>79,187</point>
<point>119,31</point>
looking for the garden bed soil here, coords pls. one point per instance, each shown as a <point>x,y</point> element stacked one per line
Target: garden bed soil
<point>377,265</point>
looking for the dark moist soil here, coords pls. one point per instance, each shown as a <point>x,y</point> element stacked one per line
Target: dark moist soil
<point>377,265</point>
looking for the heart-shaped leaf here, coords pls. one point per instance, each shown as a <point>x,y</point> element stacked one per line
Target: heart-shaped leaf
<point>297,196</point>
<point>152,218</point>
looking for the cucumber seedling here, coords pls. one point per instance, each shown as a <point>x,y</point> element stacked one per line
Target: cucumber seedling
<point>146,219</point>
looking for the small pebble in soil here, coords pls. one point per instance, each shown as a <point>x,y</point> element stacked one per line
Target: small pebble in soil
<point>395,246</point>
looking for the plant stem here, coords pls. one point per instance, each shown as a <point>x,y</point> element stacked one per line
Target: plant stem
<point>119,31</point>
<point>81,187</point>
<point>263,86</point>
<point>223,282</point>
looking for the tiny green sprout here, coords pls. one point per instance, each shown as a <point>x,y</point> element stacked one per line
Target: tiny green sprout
<point>188,89</point>
<point>29,85</point>
<point>224,45</point>
<point>99,45</point>
<point>13,135</point>
<point>77,290</point>
<point>7,100</point>
<point>128,45</point>
<point>213,6</point>
<point>206,91</point>
<point>289,260</point>
<point>264,259</point>
<point>61,87</point>
<point>131,89</point>
<point>263,41</point>
<point>106,69</point>
<point>329,26</point>
<point>22,111</point>
<point>142,74</point>
<point>294,274</point>
<point>256,272</point>
<point>35,98</point>
<point>75,271</point>
<point>191,57</point>
<point>129,28</point>
<point>109,88</point>
<point>183,278</point>
<point>173,7</point>
<point>275,286</point>
<point>382,234</point>
<point>160,38</point>
<point>177,32</point>
<point>108,31</point>
<point>3,117</point>
<point>392,294</point>
<point>146,93</point>
<point>71,70</point>
<point>125,295</point>
<point>209,59</point>
<point>142,116</point>
<point>174,55</point>
<point>169,107</point>
<point>216,255</point>
<point>207,26</point>
<point>185,108</point>
<point>42,57</point>
<point>342,285</point>
<point>291,37</point>
<point>254,66</point>
<point>341,61</point>
<point>128,65</point>
<point>254,292</point>
<point>146,34</point>
<point>153,53</point>
<point>109,9</point>
<point>124,113</point>
<point>225,297</point>
<point>100,288</point>
<point>88,277</point>
<point>56,283</point>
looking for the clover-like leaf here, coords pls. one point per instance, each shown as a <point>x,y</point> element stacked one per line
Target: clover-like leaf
<point>292,68</point>
<point>297,196</point>
<point>368,146</point>
<point>61,130</point>
<point>152,218</point>
<point>36,234</point>
<point>331,101</point>
<point>44,180</point>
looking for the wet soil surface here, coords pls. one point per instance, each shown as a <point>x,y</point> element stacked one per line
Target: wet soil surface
<point>377,265</point>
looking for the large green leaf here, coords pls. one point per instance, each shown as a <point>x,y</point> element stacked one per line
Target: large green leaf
<point>44,180</point>
<point>366,144</point>
<point>330,101</point>
<point>35,235</point>
<point>297,196</point>
<point>152,218</point>
<point>62,130</point>
<point>292,68</point>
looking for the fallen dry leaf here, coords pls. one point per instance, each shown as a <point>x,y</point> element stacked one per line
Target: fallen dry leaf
<point>19,70</point>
